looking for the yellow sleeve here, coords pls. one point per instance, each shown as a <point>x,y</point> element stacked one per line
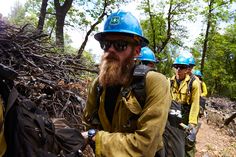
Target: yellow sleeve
<point>91,105</point>
<point>204,89</point>
<point>195,103</point>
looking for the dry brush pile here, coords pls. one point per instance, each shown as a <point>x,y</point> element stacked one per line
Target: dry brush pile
<point>221,112</point>
<point>51,80</point>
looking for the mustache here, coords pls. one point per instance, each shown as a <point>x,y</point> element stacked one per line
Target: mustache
<point>110,56</point>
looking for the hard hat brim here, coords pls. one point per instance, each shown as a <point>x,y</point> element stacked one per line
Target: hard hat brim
<point>100,36</point>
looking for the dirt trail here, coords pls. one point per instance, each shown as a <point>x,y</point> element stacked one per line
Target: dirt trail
<point>212,142</point>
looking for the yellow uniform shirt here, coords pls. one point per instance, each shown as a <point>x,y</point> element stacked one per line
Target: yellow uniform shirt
<point>180,94</point>
<point>127,136</point>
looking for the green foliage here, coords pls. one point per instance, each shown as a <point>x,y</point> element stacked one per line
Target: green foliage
<point>86,12</point>
<point>164,28</point>
<point>19,16</point>
<point>220,61</point>
<point>220,67</point>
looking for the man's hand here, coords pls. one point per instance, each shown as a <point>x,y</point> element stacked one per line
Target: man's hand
<point>89,136</point>
<point>85,134</point>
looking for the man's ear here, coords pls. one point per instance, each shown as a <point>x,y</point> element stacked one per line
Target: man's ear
<point>137,51</point>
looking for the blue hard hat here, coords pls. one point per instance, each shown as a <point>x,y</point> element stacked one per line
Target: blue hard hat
<point>123,22</point>
<point>147,55</point>
<point>191,61</point>
<point>197,73</point>
<point>181,60</point>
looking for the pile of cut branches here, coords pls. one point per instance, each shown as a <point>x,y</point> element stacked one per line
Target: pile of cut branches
<point>51,80</point>
<point>222,113</point>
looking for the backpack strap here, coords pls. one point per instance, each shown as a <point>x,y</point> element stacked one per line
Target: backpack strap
<point>99,93</point>
<point>94,118</point>
<point>138,84</point>
<point>190,85</point>
<point>201,86</point>
<point>11,99</point>
<point>10,94</point>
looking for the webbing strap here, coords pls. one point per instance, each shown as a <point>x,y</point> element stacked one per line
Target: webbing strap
<point>11,99</point>
<point>190,84</point>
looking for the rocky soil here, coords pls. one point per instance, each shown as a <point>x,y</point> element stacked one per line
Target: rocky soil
<point>215,139</point>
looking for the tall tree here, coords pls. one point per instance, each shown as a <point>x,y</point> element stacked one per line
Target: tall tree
<point>42,15</point>
<point>216,10</point>
<point>92,27</point>
<point>220,73</point>
<point>164,22</point>
<point>164,28</point>
<point>98,10</point>
<point>61,11</point>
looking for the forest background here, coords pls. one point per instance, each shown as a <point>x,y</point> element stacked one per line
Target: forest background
<point>164,23</point>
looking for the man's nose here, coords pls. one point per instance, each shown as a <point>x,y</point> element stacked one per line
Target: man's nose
<point>111,49</point>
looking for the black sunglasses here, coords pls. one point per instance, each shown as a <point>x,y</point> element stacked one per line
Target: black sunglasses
<point>180,67</point>
<point>119,45</point>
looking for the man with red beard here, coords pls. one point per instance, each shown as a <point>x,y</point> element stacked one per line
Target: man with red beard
<point>119,126</point>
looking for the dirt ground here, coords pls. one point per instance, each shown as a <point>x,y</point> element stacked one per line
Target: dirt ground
<point>212,142</point>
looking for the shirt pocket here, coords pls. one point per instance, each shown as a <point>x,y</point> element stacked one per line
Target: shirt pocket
<point>129,113</point>
<point>183,95</point>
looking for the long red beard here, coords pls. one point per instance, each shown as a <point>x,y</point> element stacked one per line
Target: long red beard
<point>113,71</point>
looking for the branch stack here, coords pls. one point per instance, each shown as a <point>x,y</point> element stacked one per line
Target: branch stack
<point>51,80</point>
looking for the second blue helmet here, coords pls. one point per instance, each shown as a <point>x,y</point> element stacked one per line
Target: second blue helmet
<point>147,55</point>
<point>181,60</point>
<point>197,73</point>
<point>191,61</point>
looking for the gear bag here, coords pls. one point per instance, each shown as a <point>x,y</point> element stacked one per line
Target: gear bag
<point>29,132</point>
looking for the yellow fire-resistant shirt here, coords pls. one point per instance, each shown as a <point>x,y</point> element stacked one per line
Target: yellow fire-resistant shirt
<point>204,89</point>
<point>179,94</point>
<point>127,136</point>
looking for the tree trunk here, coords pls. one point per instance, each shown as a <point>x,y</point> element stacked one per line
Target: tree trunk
<point>60,31</point>
<point>42,15</point>
<point>81,49</point>
<point>207,34</point>
<point>61,11</point>
<point>152,27</point>
<point>168,32</point>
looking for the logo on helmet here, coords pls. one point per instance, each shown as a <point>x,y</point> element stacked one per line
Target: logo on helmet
<point>115,20</point>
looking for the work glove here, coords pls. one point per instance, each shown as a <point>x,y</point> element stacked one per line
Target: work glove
<point>191,137</point>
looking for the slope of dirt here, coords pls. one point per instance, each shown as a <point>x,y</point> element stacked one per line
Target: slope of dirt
<point>213,142</point>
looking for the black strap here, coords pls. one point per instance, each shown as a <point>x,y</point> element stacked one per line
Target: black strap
<point>138,84</point>
<point>99,93</point>
<point>11,99</point>
<point>190,84</point>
